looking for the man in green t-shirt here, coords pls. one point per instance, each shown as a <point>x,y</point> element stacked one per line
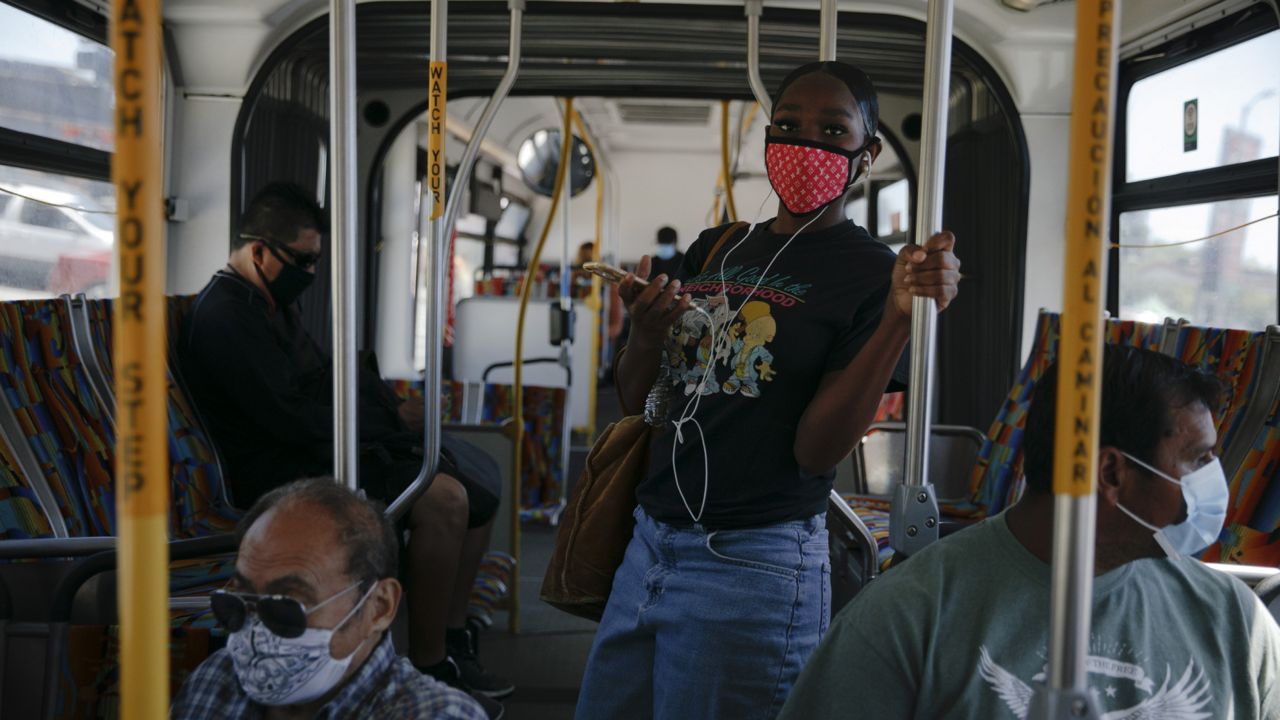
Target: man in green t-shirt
<point>961,629</point>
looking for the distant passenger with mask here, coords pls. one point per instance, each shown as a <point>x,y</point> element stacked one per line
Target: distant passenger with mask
<point>761,361</point>
<point>962,628</point>
<point>667,258</point>
<point>308,612</point>
<point>265,387</point>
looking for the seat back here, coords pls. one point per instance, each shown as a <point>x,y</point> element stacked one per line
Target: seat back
<point>541,476</point>
<point>65,425</point>
<point>1235,356</point>
<point>1252,532</point>
<point>22,514</point>
<point>200,504</point>
<point>996,481</point>
<point>877,460</point>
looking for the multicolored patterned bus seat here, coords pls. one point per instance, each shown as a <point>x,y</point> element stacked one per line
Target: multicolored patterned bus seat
<point>541,476</point>
<point>199,504</point>
<point>21,513</point>
<point>47,387</point>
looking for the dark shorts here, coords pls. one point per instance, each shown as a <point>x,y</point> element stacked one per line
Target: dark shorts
<point>470,466</point>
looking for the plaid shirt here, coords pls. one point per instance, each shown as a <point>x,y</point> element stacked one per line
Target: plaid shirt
<point>386,686</point>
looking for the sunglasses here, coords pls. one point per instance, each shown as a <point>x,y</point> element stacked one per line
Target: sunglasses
<point>282,615</point>
<point>303,260</point>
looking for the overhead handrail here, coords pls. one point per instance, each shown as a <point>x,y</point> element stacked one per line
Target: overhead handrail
<point>753,10</point>
<point>913,516</point>
<point>142,462</point>
<point>725,171</point>
<point>1075,465</point>
<point>345,236</point>
<point>466,167</point>
<point>828,14</point>
<point>526,287</point>
<point>433,261</point>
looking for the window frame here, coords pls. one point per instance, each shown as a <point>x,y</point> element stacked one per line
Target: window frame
<point>1256,178</point>
<point>34,152</point>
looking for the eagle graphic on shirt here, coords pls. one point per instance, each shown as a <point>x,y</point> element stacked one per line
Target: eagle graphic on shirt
<point>1185,698</point>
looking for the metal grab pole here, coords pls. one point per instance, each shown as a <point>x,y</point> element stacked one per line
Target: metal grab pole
<point>142,465</point>
<point>754,9</point>
<point>472,151</point>
<point>342,130</point>
<point>913,520</point>
<point>433,266</point>
<point>827,19</point>
<point>1079,372</point>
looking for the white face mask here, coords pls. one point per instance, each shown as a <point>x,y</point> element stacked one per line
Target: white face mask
<point>666,252</point>
<point>1206,494</point>
<point>278,671</point>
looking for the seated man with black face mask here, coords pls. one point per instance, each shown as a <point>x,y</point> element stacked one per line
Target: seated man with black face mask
<point>308,611</point>
<point>266,389</point>
<point>961,629</point>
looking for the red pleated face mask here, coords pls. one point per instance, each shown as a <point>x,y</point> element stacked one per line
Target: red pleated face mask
<point>807,175</point>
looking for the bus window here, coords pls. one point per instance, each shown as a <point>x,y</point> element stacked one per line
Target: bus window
<point>1229,281</point>
<point>1221,109</point>
<point>1194,202</point>
<point>53,82</point>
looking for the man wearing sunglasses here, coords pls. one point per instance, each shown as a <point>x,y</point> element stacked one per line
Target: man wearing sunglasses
<point>265,388</point>
<point>307,612</point>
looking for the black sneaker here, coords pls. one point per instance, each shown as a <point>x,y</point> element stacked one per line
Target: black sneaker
<point>464,646</point>
<point>448,672</point>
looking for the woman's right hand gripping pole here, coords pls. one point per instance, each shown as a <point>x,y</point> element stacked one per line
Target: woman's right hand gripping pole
<point>653,308</point>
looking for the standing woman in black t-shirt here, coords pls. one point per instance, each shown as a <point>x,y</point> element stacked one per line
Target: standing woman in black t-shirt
<point>763,362</point>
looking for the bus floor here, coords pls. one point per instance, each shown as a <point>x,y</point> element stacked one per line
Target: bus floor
<point>546,660</point>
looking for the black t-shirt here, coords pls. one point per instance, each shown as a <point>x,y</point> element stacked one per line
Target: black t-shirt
<point>670,267</point>
<point>817,306</point>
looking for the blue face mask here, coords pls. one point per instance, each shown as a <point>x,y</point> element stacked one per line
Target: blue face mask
<point>666,252</point>
<point>1206,494</point>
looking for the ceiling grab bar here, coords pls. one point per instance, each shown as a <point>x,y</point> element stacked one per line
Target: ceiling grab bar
<point>913,515</point>
<point>467,166</point>
<point>828,20</point>
<point>526,288</point>
<point>345,236</point>
<point>433,261</point>
<point>753,11</point>
<point>726,172</point>
<point>1066,694</point>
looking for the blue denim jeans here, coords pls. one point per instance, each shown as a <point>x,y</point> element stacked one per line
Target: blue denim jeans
<point>708,624</point>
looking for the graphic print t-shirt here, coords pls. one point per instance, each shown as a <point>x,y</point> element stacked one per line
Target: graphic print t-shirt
<point>961,630</point>
<point>746,365</point>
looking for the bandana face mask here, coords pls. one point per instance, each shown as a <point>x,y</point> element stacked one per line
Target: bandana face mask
<point>807,175</point>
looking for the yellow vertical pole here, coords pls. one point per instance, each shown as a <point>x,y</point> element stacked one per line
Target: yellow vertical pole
<point>1066,694</point>
<point>1088,200</point>
<point>517,387</point>
<point>726,174</point>
<point>596,302</point>
<point>142,462</point>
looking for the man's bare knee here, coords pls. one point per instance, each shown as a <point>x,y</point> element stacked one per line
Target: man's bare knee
<point>444,502</point>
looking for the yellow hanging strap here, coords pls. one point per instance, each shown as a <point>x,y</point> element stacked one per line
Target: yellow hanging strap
<point>595,302</point>
<point>142,457</point>
<point>526,287</point>
<point>726,175</point>
<point>1088,197</point>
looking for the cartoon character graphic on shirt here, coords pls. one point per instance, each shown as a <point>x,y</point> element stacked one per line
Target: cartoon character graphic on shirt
<point>1186,698</point>
<point>692,335</point>
<point>752,362</point>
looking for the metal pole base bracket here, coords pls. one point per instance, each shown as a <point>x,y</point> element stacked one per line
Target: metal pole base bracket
<point>913,519</point>
<point>1048,704</point>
